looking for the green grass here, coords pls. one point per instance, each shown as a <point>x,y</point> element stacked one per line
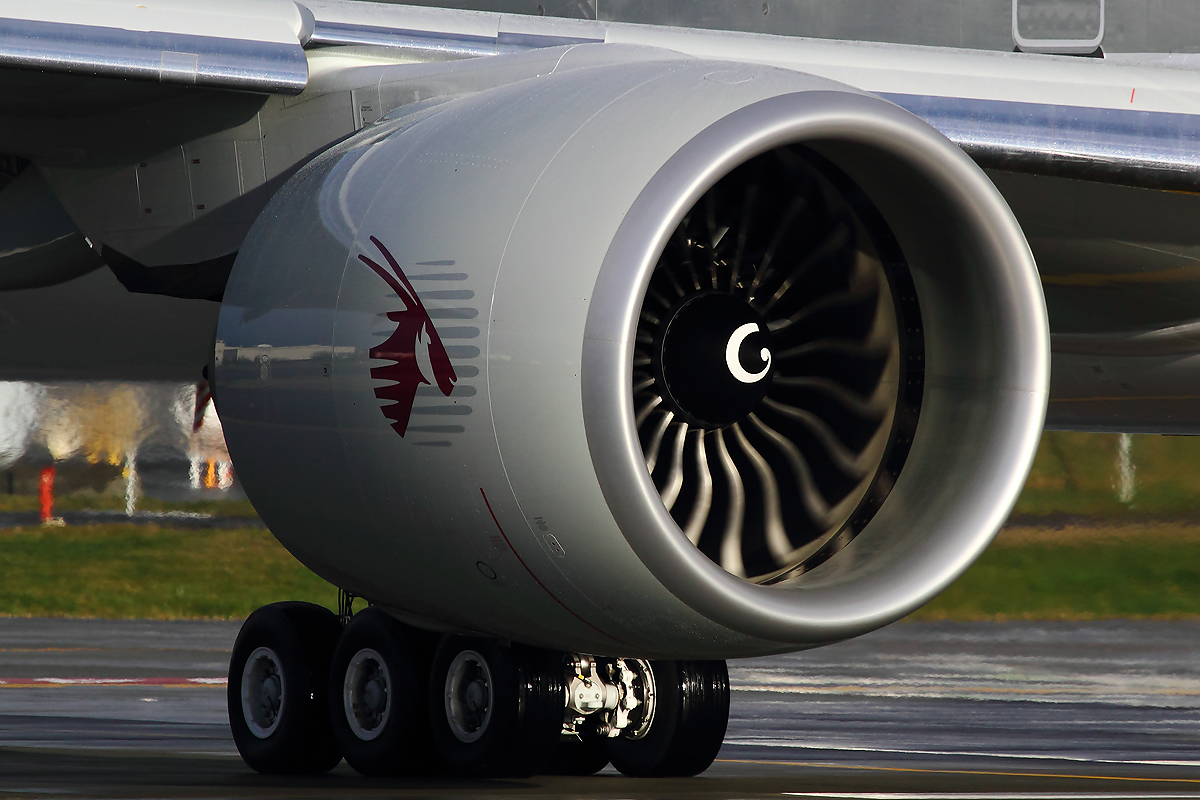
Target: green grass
<point>1119,560</point>
<point>1076,473</point>
<point>1126,571</point>
<point>122,571</point>
<point>125,571</point>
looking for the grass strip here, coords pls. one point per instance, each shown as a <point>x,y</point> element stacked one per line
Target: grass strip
<point>126,571</point>
<point>149,572</point>
<point>1079,473</point>
<point>1131,571</point>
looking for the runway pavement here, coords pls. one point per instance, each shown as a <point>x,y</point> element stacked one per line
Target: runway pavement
<point>1015,710</point>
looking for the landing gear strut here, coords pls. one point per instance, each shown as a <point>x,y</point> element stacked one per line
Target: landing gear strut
<point>306,689</point>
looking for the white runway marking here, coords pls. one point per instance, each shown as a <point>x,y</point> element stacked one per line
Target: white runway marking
<point>843,747</point>
<point>41,683</point>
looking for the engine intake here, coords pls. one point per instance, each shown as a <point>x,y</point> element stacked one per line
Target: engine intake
<point>768,366</point>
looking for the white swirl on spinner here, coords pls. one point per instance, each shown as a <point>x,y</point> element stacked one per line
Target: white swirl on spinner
<point>731,355</point>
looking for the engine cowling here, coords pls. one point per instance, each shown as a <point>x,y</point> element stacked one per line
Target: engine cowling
<point>664,358</point>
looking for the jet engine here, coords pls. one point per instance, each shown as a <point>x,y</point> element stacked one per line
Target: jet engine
<point>662,358</point>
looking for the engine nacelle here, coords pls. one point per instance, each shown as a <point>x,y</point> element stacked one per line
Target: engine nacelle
<point>665,358</point>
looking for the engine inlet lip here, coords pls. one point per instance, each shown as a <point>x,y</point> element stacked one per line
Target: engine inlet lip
<point>802,614</point>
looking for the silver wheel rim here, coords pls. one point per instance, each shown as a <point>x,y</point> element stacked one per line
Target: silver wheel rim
<point>263,692</point>
<point>367,694</point>
<point>468,696</point>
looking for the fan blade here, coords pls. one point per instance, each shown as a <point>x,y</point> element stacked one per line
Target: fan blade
<point>731,536</point>
<point>698,517</point>
<point>842,457</point>
<point>869,408</point>
<point>794,209</point>
<point>650,405</point>
<point>674,482</point>
<point>837,239</point>
<point>810,496</point>
<point>656,441</point>
<point>778,543</point>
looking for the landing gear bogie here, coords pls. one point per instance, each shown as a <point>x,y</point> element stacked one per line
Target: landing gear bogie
<point>306,689</point>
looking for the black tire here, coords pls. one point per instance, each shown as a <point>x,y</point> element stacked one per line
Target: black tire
<point>292,645</point>
<point>387,660</point>
<point>512,723</point>
<point>691,714</point>
<point>586,755</point>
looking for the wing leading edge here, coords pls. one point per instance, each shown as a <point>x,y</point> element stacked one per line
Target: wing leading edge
<point>254,46</point>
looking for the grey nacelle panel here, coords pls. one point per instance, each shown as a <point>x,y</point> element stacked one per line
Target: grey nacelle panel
<point>412,507</point>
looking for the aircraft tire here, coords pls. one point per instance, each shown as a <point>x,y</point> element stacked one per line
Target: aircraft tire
<point>278,678</point>
<point>377,696</point>
<point>692,713</point>
<point>495,711</point>
<point>585,756</point>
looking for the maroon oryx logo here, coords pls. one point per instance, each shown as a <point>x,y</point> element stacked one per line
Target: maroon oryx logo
<point>415,347</point>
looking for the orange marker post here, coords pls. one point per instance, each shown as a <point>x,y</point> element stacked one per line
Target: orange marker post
<point>46,494</point>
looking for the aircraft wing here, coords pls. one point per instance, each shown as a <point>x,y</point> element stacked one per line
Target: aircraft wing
<point>256,46</point>
<point>1062,116</point>
<point>1066,116</point>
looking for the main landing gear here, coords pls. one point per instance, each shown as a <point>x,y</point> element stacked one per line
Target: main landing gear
<point>304,692</point>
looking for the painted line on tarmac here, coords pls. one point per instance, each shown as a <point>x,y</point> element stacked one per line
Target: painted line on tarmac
<point>113,649</point>
<point>44,683</point>
<point>988,796</point>
<point>37,791</point>
<point>853,748</point>
<point>934,690</point>
<point>981,772</point>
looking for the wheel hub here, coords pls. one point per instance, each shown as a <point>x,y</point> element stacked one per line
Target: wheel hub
<point>374,696</point>
<point>262,692</point>
<point>468,696</point>
<point>619,692</point>
<point>366,694</point>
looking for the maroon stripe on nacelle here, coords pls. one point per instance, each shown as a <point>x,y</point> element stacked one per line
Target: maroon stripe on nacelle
<point>537,580</point>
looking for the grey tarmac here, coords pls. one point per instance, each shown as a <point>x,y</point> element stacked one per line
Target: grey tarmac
<point>970,711</point>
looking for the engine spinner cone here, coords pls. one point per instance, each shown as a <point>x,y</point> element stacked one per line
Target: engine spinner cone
<point>713,355</point>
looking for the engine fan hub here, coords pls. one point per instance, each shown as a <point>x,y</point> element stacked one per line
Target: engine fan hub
<point>713,357</point>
